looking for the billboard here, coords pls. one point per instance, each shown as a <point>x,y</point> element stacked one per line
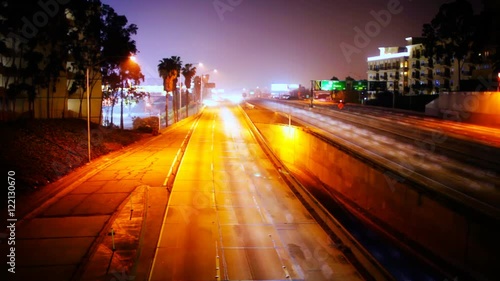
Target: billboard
<point>336,85</point>
<point>360,85</point>
<point>329,85</point>
<point>280,88</point>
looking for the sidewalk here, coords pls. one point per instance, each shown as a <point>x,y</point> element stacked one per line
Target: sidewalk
<point>68,235</point>
<point>133,246</point>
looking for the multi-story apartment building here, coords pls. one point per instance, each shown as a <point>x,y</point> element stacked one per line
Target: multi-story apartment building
<point>407,70</point>
<point>22,95</point>
<point>389,70</point>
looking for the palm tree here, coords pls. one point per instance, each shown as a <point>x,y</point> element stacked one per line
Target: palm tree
<point>169,69</point>
<point>188,71</point>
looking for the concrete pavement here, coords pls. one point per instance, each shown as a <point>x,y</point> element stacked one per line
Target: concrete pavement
<point>67,237</point>
<point>231,216</point>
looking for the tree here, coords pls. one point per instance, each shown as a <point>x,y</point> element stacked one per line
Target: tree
<point>87,36</point>
<point>112,85</point>
<point>117,47</point>
<point>488,34</point>
<point>178,65</point>
<point>450,35</point>
<point>53,41</point>
<point>21,59</point>
<point>81,34</point>
<point>100,42</point>
<point>169,70</point>
<point>188,71</point>
<point>130,73</point>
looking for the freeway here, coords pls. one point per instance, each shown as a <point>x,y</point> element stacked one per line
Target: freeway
<point>231,216</point>
<point>428,151</point>
<point>454,126</point>
<point>400,263</point>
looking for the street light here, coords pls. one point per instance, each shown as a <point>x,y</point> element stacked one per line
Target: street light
<point>289,115</point>
<point>133,59</point>
<point>181,86</point>
<point>87,74</point>
<point>498,84</point>
<point>201,85</point>
<point>180,98</point>
<point>88,112</point>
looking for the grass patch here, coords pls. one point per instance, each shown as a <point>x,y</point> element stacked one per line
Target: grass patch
<point>42,151</point>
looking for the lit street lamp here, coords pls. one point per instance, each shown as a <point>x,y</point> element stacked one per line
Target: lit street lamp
<point>87,74</point>
<point>498,84</point>
<point>88,112</point>
<point>201,80</point>
<point>289,115</point>
<point>201,86</point>
<point>134,60</point>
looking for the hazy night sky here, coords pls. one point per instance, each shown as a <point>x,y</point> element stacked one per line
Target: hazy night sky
<point>258,42</point>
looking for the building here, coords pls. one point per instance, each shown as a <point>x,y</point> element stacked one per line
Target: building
<point>53,102</point>
<point>389,70</point>
<point>408,71</point>
<point>283,91</point>
<point>25,96</point>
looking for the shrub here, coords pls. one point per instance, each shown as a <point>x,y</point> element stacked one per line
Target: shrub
<point>145,124</point>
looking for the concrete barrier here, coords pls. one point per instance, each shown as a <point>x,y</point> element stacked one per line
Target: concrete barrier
<point>467,243</point>
<point>471,107</point>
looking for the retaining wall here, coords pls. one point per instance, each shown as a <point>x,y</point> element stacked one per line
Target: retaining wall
<point>465,242</point>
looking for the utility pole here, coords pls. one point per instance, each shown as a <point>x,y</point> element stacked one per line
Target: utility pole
<point>312,93</point>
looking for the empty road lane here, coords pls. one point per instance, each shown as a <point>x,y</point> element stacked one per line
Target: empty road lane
<point>230,215</point>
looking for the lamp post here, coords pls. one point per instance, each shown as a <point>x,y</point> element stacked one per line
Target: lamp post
<point>121,101</point>
<point>498,84</point>
<point>87,84</point>
<point>159,121</point>
<point>201,80</point>
<point>180,98</point>
<point>289,115</point>
<point>122,72</point>
<point>311,104</point>
<point>201,86</point>
<point>88,112</point>
<point>201,89</point>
